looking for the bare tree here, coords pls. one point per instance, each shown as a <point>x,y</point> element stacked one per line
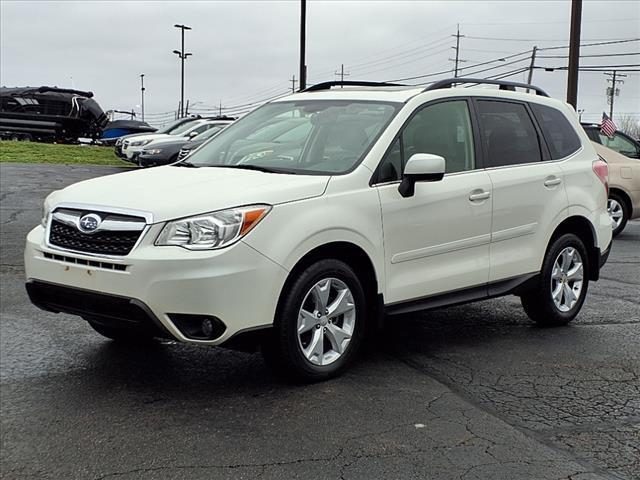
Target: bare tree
<point>629,124</point>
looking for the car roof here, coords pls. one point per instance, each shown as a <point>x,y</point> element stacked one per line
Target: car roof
<point>403,94</point>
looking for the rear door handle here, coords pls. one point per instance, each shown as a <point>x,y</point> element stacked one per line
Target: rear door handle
<point>479,195</point>
<point>552,182</point>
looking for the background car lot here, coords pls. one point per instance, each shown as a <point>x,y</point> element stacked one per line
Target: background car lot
<point>469,392</point>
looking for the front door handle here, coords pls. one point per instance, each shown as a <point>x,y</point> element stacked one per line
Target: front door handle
<point>552,181</point>
<point>479,195</point>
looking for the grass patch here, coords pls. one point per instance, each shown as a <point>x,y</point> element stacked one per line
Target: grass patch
<point>32,152</point>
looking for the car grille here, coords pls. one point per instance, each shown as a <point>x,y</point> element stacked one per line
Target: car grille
<point>116,234</point>
<point>183,154</point>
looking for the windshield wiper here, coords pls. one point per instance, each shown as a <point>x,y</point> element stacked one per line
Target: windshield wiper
<point>255,167</point>
<point>185,163</point>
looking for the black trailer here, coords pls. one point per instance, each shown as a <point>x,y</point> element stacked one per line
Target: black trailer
<point>49,114</point>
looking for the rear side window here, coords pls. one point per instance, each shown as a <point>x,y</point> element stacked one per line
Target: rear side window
<point>562,140</point>
<point>508,133</point>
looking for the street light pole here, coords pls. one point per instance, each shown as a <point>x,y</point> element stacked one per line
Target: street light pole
<point>182,56</point>
<point>142,94</point>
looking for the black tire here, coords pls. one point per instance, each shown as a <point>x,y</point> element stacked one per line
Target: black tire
<point>123,335</point>
<point>282,350</point>
<point>538,302</point>
<point>625,213</point>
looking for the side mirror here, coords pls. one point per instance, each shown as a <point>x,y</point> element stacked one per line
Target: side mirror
<point>421,167</point>
<point>193,134</point>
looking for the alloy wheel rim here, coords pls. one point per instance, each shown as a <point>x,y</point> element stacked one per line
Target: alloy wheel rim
<point>326,321</point>
<point>615,212</point>
<point>567,279</point>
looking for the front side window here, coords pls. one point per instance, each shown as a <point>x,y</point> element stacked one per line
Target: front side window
<point>508,134</point>
<point>441,129</point>
<point>320,137</point>
<point>562,139</point>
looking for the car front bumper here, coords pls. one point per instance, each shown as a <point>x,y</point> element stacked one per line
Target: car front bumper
<point>237,285</point>
<point>158,159</point>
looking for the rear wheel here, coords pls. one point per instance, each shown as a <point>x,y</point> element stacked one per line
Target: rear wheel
<point>120,334</point>
<point>618,212</point>
<point>320,324</point>
<point>562,286</point>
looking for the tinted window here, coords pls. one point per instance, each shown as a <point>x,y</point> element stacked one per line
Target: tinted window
<point>593,134</point>
<point>442,129</point>
<point>508,134</point>
<point>390,168</point>
<point>562,140</point>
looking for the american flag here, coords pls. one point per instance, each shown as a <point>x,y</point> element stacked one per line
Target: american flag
<point>607,126</point>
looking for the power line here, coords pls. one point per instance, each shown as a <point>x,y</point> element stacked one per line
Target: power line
<point>628,40</point>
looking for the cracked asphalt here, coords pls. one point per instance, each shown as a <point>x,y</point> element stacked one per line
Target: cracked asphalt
<point>471,392</point>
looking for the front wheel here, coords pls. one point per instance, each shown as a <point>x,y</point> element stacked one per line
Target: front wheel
<point>562,287</point>
<point>320,323</point>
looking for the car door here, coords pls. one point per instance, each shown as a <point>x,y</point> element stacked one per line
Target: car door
<point>437,240</point>
<point>528,190</point>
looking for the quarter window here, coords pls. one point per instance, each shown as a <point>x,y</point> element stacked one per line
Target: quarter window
<point>561,138</point>
<point>508,134</point>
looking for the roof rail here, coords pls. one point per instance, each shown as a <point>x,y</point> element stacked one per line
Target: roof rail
<point>504,85</point>
<point>349,83</point>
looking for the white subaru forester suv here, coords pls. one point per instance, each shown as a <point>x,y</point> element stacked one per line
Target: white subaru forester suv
<point>394,199</point>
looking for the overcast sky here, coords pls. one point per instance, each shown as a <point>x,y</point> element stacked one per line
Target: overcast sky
<point>247,51</point>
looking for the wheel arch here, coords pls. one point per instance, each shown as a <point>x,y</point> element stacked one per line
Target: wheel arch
<point>351,254</point>
<point>583,229</point>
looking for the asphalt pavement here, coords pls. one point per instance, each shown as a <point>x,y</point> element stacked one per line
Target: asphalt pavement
<point>471,392</point>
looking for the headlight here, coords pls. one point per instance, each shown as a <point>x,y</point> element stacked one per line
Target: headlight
<point>46,211</point>
<point>139,143</point>
<point>152,151</point>
<point>212,230</point>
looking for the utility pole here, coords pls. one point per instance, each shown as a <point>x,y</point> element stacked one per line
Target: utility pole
<point>457,49</point>
<point>220,109</point>
<point>303,34</point>
<point>613,91</point>
<point>182,55</point>
<point>574,52</point>
<point>532,65</point>
<point>142,94</point>
<point>293,84</point>
<point>341,74</point>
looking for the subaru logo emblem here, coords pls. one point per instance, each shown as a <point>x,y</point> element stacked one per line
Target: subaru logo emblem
<point>89,223</point>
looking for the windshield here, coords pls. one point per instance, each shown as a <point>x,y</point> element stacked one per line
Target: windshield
<point>208,133</point>
<point>184,127</point>
<point>315,136</point>
<point>171,127</point>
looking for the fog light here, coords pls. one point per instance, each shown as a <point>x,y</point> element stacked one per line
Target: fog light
<point>198,327</point>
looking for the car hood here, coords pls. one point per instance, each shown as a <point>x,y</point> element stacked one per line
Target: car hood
<point>173,192</point>
<point>153,136</point>
<point>166,141</point>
